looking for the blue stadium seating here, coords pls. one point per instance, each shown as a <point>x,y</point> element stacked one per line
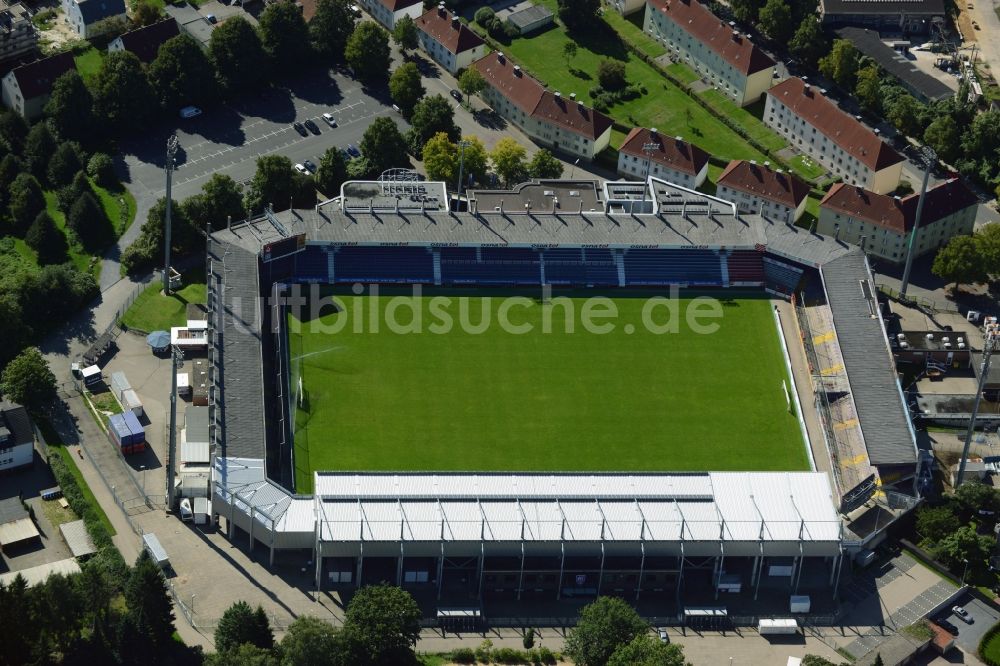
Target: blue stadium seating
<point>661,267</point>
<point>567,266</point>
<point>780,276</point>
<point>496,266</point>
<point>384,264</point>
<point>311,265</point>
<point>745,266</point>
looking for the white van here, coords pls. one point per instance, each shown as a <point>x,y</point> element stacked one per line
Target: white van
<point>186,512</point>
<point>190,112</point>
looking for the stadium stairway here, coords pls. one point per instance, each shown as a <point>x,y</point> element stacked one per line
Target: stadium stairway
<point>620,267</point>
<point>331,265</point>
<point>436,259</point>
<point>724,269</point>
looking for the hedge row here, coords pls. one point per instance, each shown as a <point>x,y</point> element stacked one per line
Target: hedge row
<point>989,659</point>
<point>71,491</point>
<point>487,654</point>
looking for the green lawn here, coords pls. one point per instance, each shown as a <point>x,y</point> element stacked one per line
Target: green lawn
<point>807,167</point>
<point>88,62</point>
<point>746,118</point>
<point>664,106</point>
<point>118,205</point>
<point>630,28</point>
<point>106,402</point>
<point>152,311</point>
<point>540,400</point>
<point>77,255</point>
<point>990,648</point>
<point>682,72</point>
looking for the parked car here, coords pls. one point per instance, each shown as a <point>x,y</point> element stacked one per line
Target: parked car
<point>300,128</point>
<point>457,94</point>
<point>962,614</point>
<point>355,10</point>
<point>329,119</point>
<point>190,112</point>
<point>309,165</point>
<point>353,151</point>
<point>664,638</point>
<point>211,18</point>
<point>312,126</point>
<point>301,168</point>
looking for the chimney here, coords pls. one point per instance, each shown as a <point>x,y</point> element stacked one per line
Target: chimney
<point>652,132</point>
<point>679,138</point>
<point>736,36</point>
<point>768,165</point>
<point>517,70</point>
<point>500,56</point>
<point>558,96</point>
<point>572,96</point>
<point>806,89</point>
<point>441,11</point>
<point>455,23</point>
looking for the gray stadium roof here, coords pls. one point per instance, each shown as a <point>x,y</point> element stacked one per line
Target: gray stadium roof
<point>885,425</point>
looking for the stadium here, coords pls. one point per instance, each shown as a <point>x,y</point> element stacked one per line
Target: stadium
<point>484,466</point>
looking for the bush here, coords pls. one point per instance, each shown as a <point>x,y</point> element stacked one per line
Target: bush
<point>483,16</point>
<point>506,655</point>
<point>529,639</point>
<point>102,169</point>
<point>485,651</point>
<point>546,656</point>
<point>463,655</point>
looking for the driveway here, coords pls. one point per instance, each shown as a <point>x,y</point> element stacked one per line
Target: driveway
<point>983,615</point>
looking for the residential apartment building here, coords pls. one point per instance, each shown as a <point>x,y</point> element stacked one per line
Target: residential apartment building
<point>646,152</point>
<point>450,43</point>
<point>626,7</point>
<point>145,42</point>
<point>885,222</point>
<point>86,16</point>
<point>17,437</point>
<point>26,88</point>
<point>757,188</point>
<point>17,33</point>
<point>713,48</point>
<point>817,127</point>
<point>387,12</point>
<point>551,119</point>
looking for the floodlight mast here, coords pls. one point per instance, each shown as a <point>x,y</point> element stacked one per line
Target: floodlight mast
<point>649,148</point>
<point>991,334</point>
<point>172,145</point>
<point>929,159</point>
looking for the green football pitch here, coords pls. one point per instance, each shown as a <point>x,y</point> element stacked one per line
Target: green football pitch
<point>556,397</point>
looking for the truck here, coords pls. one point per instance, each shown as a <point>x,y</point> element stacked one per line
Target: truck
<point>774,626</point>
<point>151,545</point>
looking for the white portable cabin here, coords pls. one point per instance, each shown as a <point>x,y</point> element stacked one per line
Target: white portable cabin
<point>184,385</point>
<point>91,375</point>
<point>767,626</point>
<point>799,603</point>
<point>119,384</point>
<point>152,546</point>
<point>202,509</point>
<point>130,401</point>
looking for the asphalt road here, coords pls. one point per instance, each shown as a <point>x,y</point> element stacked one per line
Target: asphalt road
<point>228,139</point>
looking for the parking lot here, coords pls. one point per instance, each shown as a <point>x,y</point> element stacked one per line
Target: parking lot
<point>228,139</point>
<point>970,633</point>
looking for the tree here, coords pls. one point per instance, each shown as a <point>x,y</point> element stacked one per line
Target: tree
<point>383,145</point>
<point>475,161</point>
<point>123,97</point>
<point>64,164</point>
<point>441,158</point>
<point>330,28</point>
<point>367,52</point>
<point>27,380</point>
<point>71,108</point>
<point>809,43</point>
<point>775,20</point>
<point>988,240</point>
<point>471,82</point>
<point>148,602</point>
<point>878,660</point>
<point>101,168</point>
<point>569,53</point>
<point>484,15</point>
<point>943,136</point>
<point>578,15</point>
<point>404,34</point>
<point>815,660</point>
<point>431,115</point>
<point>310,642</point>
<point>145,13</point>
<point>332,172</point>
<point>284,35</point>
<point>965,544</point>
<point>148,247</point>
<point>220,199</point>
<point>67,196</point>
<point>604,625</point>
<point>109,28</point>
<point>271,184</point>
<point>26,201</point>
<point>905,113</point>
<point>382,624</point>
<point>240,625</point>
<point>935,522</point>
<point>244,655</point>
<point>89,222</point>
<point>508,158</point>
<point>38,148</point>
<point>841,64</point>
<point>975,496</point>
<point>645,650</point>
<point>181,73</point>
<point>13,130</point>
<point>405,87</point>
<point>745,11</point>
<point>959,262</point>
<point>44,238</point>
<point>611,74</point>
<point>869,87</point>
<point>238,56</point>
<point>10,168</point>
<point>543,164</point>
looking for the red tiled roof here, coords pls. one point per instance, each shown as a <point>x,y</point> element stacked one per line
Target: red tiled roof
<point>847,132</point>
<point>898,214</point>
<point>145,42</point>
<point>36,78</point>
<point>695,19</point>
<point>395,5</point>
<point>672,152</point>
<point>442,28</point>
<point>528,95</point>
<point>764,182</point>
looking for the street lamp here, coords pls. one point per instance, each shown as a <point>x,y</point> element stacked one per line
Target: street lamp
<point>142,468</point>
<point>192,602</point>
<point>965,570</point>
<point>462,145</point>
<point>649,148</point>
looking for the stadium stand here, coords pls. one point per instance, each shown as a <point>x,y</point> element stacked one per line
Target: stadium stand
<point>579,266</point>
<point>384,264</point>
<point>745,267</point>
<point>781,277</point>
<point>312,265</point>
<point>491,266</point>
<point>665,267</point>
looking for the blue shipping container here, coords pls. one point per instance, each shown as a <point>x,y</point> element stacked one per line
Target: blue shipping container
<point>119,430</point>
<point>138,432</point>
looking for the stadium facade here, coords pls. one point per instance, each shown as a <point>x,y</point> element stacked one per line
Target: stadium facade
<point>485,535</point>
